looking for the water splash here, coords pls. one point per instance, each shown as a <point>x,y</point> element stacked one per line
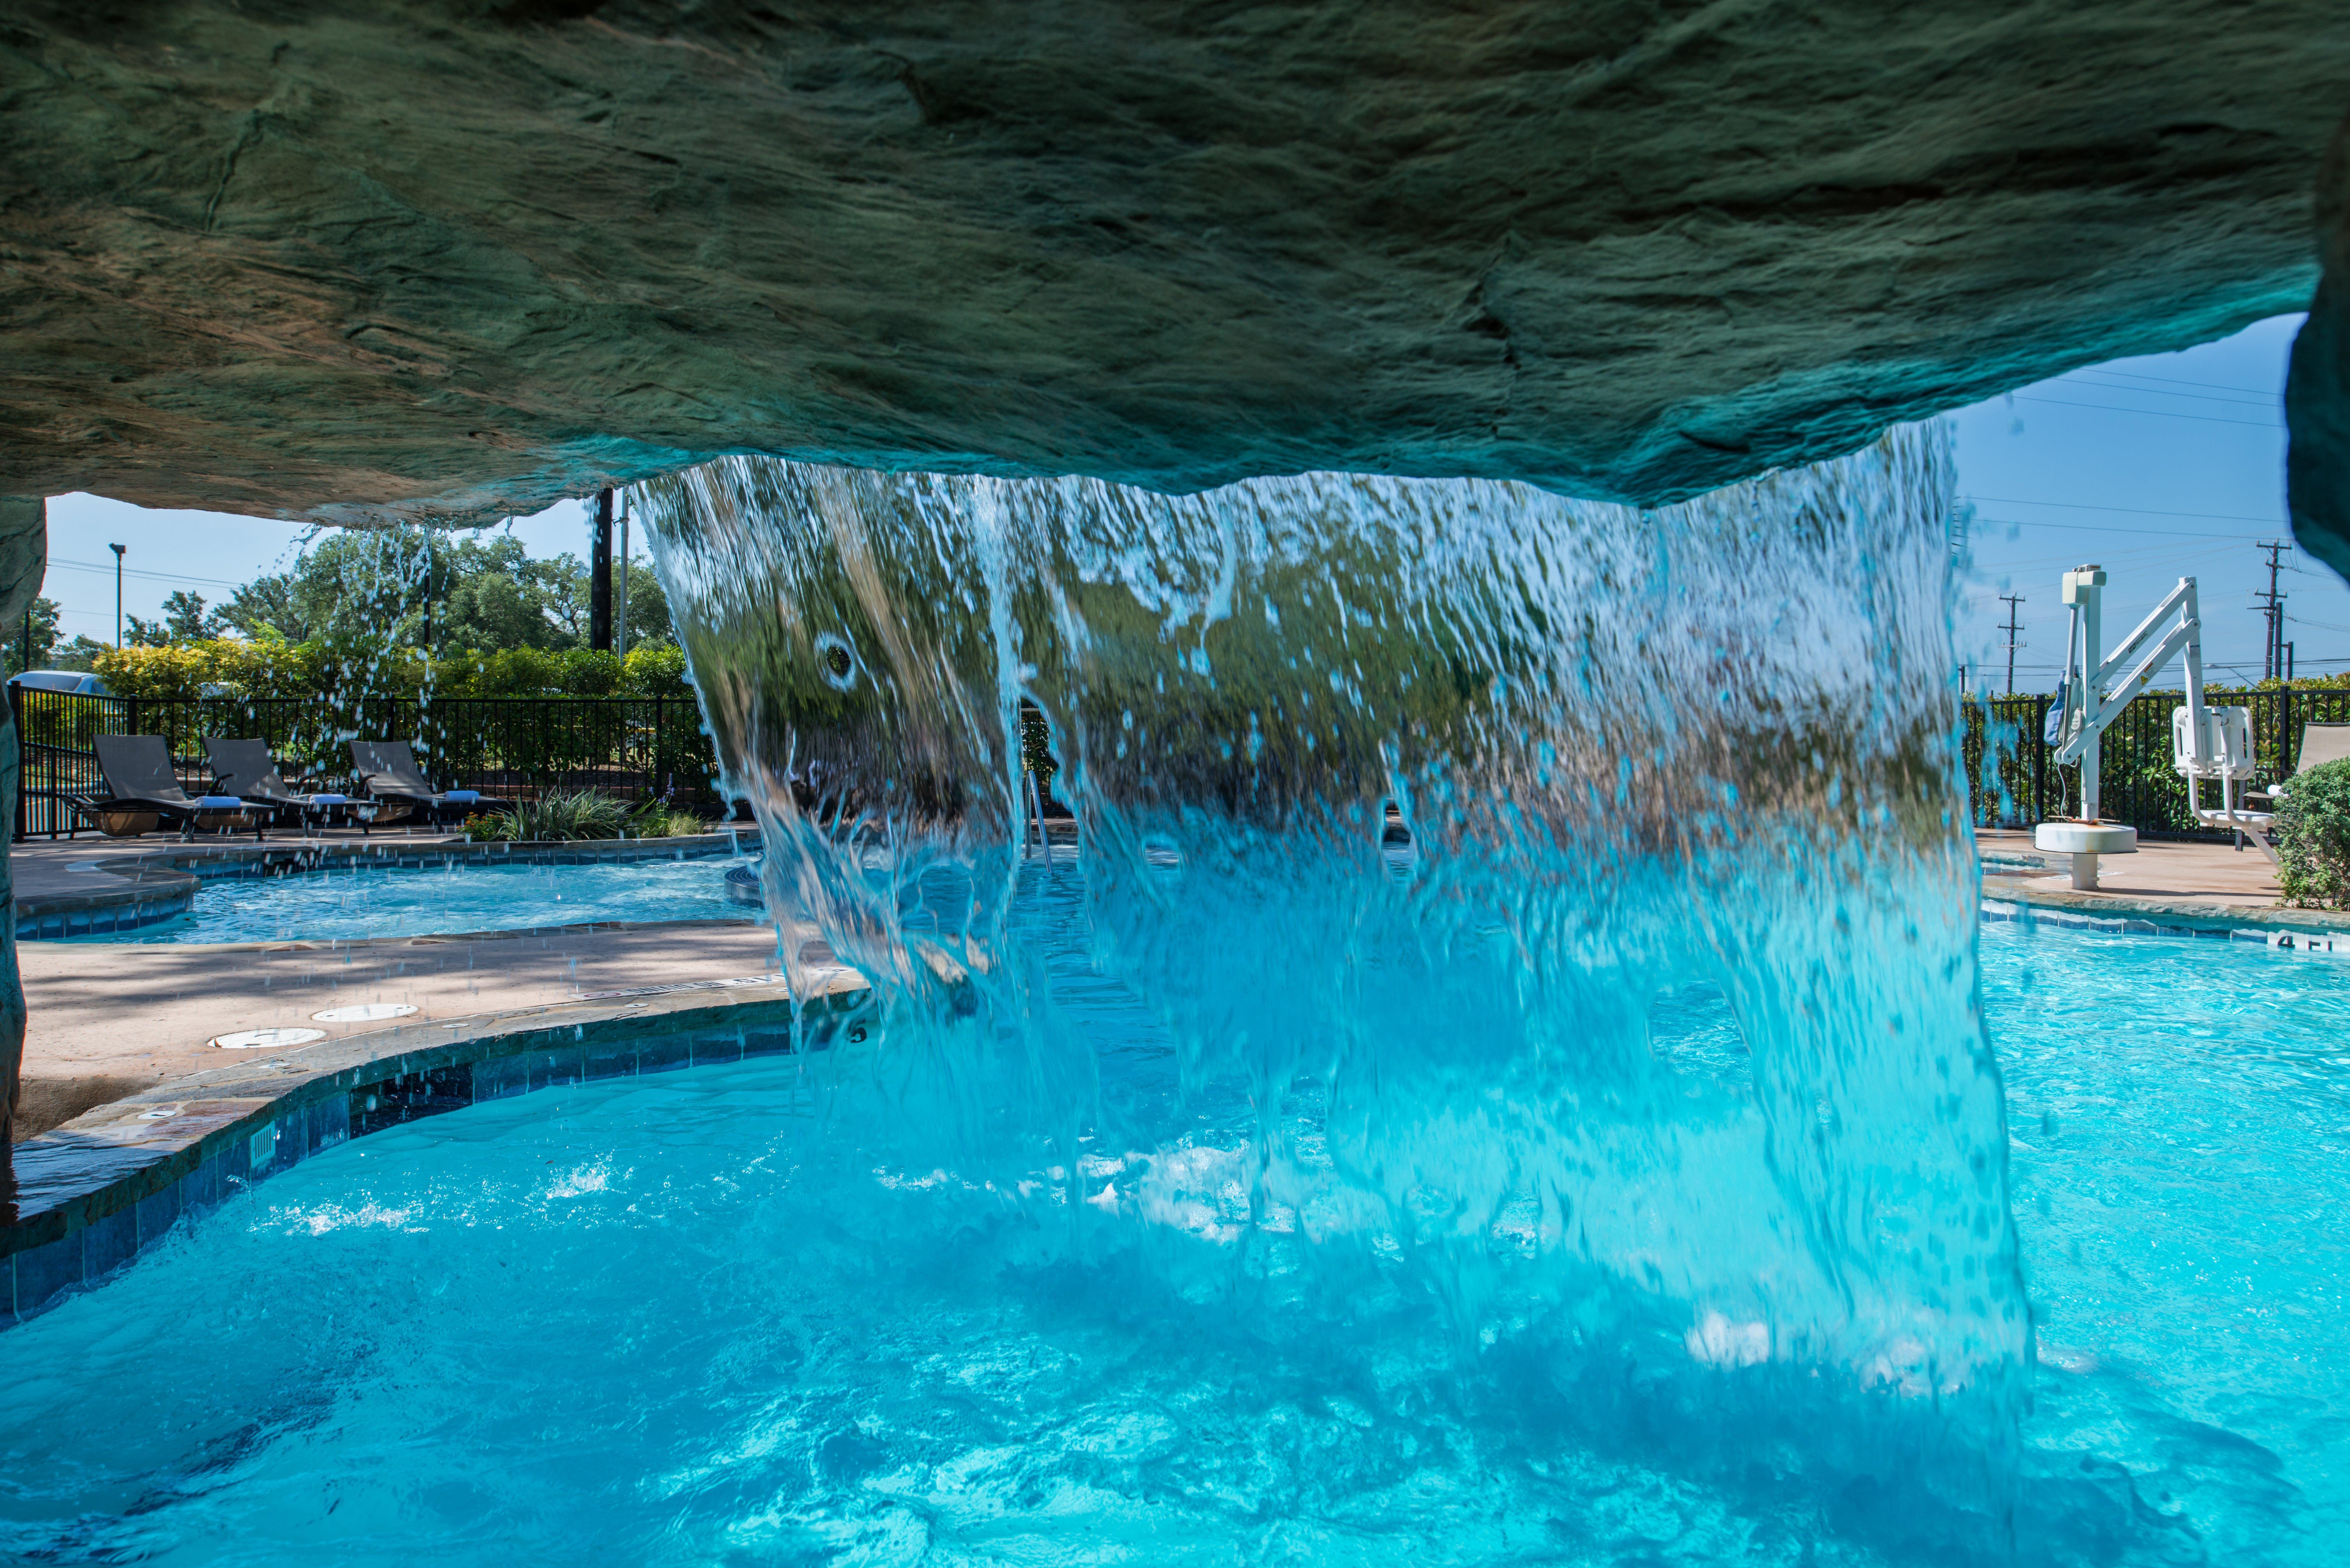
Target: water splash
<point>1660,1029</point>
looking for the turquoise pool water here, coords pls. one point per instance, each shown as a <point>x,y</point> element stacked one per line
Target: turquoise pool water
<point>781,1314</point>
<point>349,905</point>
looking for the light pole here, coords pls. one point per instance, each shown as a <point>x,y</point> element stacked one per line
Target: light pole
<point>599,574</point>
<point>621,589</point>
<point>118,550</point>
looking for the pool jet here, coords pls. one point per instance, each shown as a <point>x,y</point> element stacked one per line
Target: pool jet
<point>2206,743</point>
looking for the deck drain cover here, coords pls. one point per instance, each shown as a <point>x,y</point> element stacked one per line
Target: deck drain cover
<point>364,1011</point>
<point>267,1039</point>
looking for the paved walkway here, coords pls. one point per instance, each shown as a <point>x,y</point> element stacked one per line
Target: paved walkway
<point>2166,873</point>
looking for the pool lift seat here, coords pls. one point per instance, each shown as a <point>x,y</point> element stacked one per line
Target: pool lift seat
<point>2207,743</point>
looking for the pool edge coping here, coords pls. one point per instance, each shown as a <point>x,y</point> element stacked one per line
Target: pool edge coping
<point>2001,898</point>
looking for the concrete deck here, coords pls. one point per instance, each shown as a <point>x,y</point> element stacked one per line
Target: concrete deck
<point>2168,873</point>
<point>106,1021</point>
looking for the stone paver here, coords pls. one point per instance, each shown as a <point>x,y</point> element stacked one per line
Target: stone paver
<point>108,1020</point>
<point>2170,873</point>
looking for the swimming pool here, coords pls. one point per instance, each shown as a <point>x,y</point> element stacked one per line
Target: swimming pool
<point>349,905</point>
<point>751,1315</point>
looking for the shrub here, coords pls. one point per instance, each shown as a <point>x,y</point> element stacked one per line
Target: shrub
<point>2313,838</point>
<point>660,820</point>
<point>657,667</point>
<point>562,815</point>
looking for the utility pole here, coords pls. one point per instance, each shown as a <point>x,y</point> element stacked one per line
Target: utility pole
<point>2272,659</point>
<point>600,575</point>
<point>118,550</point>
<point>2012,600</point>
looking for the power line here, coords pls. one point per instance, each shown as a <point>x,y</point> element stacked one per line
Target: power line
<point>2154,414</point>
<point>2136,511</point>
<point>2014,602</point>
<point>2112,529</point>
<point>2273,610</point>
<point>2265,402</point>
<point>135,571</point>
<point>2176,381</point>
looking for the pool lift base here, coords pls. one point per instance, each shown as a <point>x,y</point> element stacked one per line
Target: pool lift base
<point>2206,743</point>
<point>2084,841</point>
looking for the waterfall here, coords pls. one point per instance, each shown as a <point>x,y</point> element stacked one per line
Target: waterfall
<point>1560,910</point>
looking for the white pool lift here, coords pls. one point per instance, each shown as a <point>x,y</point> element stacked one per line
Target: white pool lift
<point>2206,743</point>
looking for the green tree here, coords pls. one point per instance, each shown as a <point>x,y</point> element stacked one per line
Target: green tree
<point>491,595</point>
<point>272,604</point>
<point>354,592</point>
<point>81,653</point>
<point>184,619</point>
<point>34,639</point>
<point>649,623</point>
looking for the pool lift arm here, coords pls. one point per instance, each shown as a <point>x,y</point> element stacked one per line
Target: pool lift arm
<point>2206,743</point>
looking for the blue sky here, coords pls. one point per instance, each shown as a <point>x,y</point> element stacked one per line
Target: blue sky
<point>2155,468</point>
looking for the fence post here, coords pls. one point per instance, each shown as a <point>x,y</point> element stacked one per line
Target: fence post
<point>16,726</point>
<point>2285,734</point>
<point>2039,760</point>
<point>652,769</point>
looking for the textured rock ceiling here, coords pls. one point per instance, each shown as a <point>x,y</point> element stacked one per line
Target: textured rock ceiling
<point>308,258</point>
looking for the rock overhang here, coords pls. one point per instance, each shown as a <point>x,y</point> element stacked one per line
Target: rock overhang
<point>459,260</point>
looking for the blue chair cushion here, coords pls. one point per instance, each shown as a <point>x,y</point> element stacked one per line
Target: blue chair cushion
<point>331,800</point>
<point>219,802</point>
<point>462,796</point>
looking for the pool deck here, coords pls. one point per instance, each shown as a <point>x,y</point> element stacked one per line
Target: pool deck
<point>106,1020</point>
<point>2172,889</point>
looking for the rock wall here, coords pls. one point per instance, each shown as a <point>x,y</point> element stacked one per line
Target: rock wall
<point>466,258</point>
<point>2317,393</point>
<point>24,557</point>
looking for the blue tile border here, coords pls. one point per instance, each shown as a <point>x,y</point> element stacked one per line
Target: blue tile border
<point>97,1228</point>
<point>2221,926</point>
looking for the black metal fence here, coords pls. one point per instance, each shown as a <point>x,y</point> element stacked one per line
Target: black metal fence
<point>641,747</point>
<point>2012,784</point>
<point>631,747</point>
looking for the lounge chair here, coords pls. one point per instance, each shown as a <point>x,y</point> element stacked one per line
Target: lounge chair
<point>244,768</point>
<point>140,782</point>
<point>2319,744</point>
<point>388,772</point>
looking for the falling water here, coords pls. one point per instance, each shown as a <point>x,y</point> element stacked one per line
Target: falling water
<point>1650,1039</point>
